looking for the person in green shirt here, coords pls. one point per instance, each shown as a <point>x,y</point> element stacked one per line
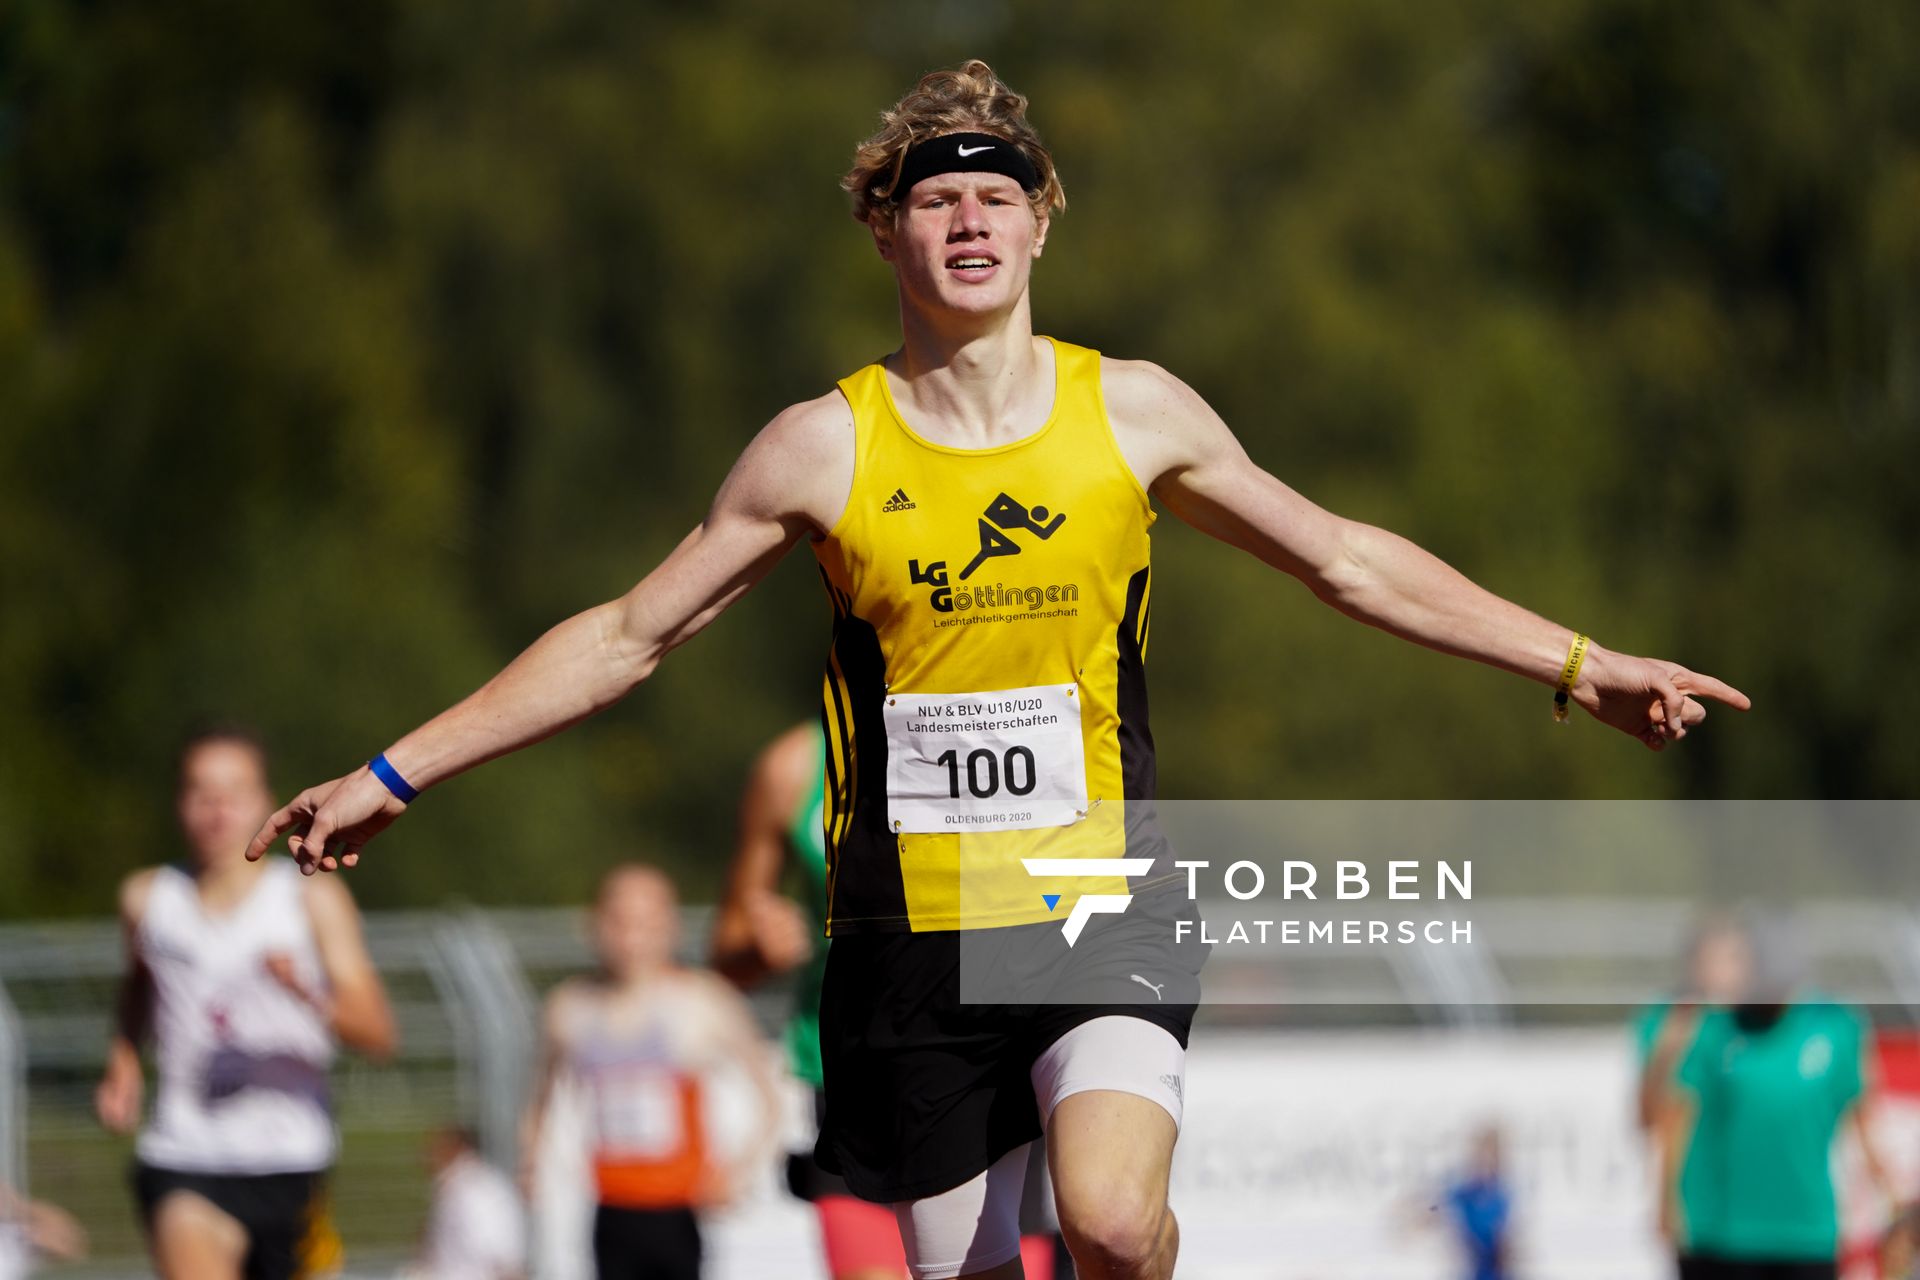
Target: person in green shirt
<point>1719,963</point>
<point>1760,1094</point>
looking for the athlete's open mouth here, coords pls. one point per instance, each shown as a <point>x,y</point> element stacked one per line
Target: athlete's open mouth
<point>972,262</point>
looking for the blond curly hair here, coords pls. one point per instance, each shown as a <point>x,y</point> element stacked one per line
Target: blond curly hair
<point>968,99</point>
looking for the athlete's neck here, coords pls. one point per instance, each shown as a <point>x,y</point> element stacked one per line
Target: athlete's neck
<point>637,979</point>
<point>972,382</point>
<point>223,880</point>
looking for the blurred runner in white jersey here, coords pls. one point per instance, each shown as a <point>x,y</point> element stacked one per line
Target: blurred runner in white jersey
<point>245,975</point>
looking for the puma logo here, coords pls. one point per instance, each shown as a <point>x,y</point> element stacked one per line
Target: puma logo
<point>1143,982</point>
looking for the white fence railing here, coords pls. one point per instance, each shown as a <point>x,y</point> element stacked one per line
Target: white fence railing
<point>465,986</point>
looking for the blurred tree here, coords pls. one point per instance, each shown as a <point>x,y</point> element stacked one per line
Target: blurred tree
<point>343,348</point>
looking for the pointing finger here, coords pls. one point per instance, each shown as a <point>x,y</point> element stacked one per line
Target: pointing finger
<point>1708,687</point>
<point>276,826</point>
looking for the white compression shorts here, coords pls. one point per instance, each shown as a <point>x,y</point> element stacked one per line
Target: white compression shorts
<point>976,1226</point>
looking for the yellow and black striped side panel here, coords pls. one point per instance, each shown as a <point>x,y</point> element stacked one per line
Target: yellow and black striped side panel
<point>1139,776</point>
<point>858,837</point>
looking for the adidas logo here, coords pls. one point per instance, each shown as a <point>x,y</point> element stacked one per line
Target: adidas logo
<point>898,502</point>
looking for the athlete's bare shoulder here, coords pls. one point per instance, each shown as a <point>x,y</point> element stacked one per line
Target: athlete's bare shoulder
<point>716,995</point>
<point>329,902</point>
<point>135,890</point>
<point>799,468</point>
<point>1161,424</point>
<point>569,992</point>
<point>569,998</point>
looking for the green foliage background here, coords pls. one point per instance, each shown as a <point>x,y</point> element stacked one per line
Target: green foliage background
<point>346,346</point>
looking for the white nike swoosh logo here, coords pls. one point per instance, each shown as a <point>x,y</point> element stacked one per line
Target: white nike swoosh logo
<point>968,151</point>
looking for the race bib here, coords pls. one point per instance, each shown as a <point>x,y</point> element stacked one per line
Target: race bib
<point>985,761</point>
<point>638,1112</point>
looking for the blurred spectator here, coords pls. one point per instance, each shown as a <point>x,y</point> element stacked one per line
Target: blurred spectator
<point>30,1229</point>
<point>1479,1208</point>
<point>476,1227</point>
<point>246,974</point>
<point>1719,963</point>
<point>640,1037</point>
<point>1759,1096</point>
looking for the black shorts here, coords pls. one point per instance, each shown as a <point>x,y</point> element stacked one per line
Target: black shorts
<point>289,1232</point>
<point>806,1180</point>
<point>927,1086</point>
<point>1698,1266</point>
<point>646,1244</point>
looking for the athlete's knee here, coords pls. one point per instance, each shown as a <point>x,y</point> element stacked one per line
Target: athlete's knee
<point>1114,1235</point>
<point>194,1239</point>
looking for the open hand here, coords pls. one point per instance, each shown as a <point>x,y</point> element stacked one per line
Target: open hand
<point>1654,700</point>
<point>782,931</point>
<point>280,967</point>
<point>331,823</point>
<point>55,1232</point>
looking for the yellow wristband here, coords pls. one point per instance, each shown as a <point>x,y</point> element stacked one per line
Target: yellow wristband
<point>1569,672</point>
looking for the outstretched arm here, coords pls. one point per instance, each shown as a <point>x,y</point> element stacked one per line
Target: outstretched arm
<point>791,480</point>
<point>1185,454</point>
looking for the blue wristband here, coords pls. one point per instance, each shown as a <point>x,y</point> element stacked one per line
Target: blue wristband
<point>390,776</point>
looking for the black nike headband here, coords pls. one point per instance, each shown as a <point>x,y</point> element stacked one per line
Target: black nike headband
<point>959,153</point>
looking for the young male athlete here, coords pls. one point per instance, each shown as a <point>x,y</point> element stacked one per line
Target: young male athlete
<point>643,1037</point>
<point>979,502</point>
<point>246,975</point>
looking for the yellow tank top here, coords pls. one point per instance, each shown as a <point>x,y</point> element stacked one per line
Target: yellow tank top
<point>985,698</point>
